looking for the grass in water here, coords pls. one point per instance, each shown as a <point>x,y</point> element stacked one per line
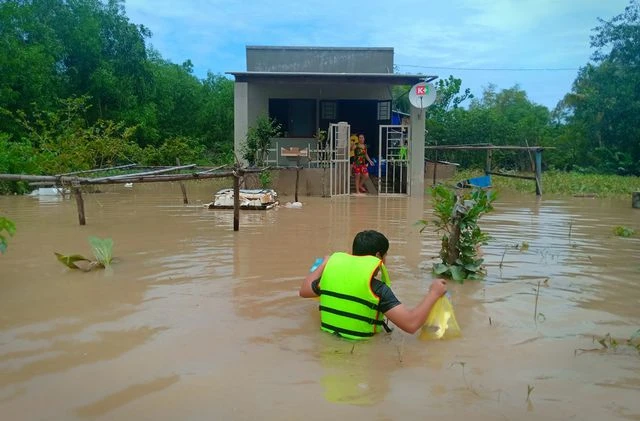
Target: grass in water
<point>565,183</point>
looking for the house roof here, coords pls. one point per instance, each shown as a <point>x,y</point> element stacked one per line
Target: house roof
<point>320,77</point>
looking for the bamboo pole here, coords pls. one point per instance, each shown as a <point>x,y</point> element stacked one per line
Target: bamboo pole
<point>51,178</point>
<point>161,171</point>
<point>107,180</point>
<point>522,177</point>
<point>120,167</point>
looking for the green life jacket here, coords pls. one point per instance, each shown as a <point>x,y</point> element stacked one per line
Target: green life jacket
<point>348,306</point>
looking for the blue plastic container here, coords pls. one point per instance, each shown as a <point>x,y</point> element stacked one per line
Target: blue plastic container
<point>373,169</point>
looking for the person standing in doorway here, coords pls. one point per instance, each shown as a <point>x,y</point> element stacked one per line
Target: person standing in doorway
<point>360,162</point>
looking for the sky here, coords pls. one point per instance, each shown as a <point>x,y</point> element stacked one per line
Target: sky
<point>536,44</point>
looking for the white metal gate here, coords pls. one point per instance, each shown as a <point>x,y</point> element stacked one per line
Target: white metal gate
<point>394,150</point>
<point>339,176</point>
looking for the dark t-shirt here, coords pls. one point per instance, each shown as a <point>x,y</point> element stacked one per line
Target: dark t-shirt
<point>388,299</point>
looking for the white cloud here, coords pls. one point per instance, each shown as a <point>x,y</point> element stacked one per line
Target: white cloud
<point>457,33</point>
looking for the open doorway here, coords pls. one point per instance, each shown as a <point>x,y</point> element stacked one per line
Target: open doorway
<point>363,116</point>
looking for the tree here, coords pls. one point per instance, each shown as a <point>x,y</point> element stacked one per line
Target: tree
<point>259,139</point>
<point>604,104</point>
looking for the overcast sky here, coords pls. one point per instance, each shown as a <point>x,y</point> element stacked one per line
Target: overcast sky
<point>479,41</point>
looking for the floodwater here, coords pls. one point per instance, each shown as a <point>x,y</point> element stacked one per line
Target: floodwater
<point>198,322</point>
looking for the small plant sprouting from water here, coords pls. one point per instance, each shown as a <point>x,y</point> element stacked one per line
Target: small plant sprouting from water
<point>609,343</point>
<point>539,316</point>
<point>621,231</point>
<point>102,249</point>
<point>570,228</point>
<point>457,219</point>
<point>529,390</point>
<point>464,377</point>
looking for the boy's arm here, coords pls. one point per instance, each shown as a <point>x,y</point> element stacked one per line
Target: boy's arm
<point>411,320</point>
<point>306,291</point>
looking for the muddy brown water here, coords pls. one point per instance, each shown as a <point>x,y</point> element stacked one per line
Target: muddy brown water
<point>197,322</point>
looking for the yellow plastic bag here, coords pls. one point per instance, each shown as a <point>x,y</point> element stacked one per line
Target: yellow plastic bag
<point>441,322</point>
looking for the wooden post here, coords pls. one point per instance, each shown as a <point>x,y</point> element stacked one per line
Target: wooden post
<point>635,200</point>
<point>297,177</point>
<point>80,205</point>
<point>435,170</point>
<point>185,200</point>
<point>487,167</point>
<point>236,201</point>
<point>538,172</point>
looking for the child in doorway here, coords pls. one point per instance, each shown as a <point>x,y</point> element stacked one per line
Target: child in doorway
<point>359,165</point>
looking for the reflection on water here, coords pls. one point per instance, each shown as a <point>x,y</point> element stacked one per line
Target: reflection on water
<point>196,321</point>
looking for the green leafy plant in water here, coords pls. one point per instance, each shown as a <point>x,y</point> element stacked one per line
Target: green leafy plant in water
<point>102,250</point>
<point>621,231</point>
<point>7,227</point>
<point>457,218</point>
<point>265,179</point>
<point>258,141</point>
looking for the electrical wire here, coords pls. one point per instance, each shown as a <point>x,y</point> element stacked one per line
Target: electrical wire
<point>497,69</point>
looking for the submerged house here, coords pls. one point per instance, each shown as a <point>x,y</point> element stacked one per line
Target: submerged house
<point>342,91</point>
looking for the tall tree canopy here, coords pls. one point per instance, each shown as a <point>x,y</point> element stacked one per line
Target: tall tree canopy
<point>88,53</point>
<point>603,108</point>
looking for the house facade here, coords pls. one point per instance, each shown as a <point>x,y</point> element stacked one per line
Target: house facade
<point>306,89</point>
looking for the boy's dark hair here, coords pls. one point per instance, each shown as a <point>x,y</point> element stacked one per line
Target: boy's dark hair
<point>370,242</point>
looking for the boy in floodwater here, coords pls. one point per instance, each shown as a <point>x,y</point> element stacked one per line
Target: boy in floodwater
<point>355,291</point>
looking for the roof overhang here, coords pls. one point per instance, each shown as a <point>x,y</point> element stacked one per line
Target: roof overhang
<point>334,78</point>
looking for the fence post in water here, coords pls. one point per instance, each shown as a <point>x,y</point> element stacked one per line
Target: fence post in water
<point>538,172</point>
<point>635,199</point>
<point>298,168</point>
<point>185,200</point>
<point>487,167</point>
<point>236,200</point>
<point>80,204</point>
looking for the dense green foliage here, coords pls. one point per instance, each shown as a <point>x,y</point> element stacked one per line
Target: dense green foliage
<point>594,129</point>
<point>81,89</point>
<point>7,228</point>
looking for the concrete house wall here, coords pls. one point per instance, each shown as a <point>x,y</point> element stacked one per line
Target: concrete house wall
<point>321,73</point>
<point>319,59</point>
